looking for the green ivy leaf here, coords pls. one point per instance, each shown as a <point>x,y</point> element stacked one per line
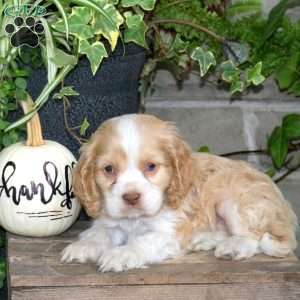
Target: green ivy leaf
<point>84,126</point>
<point>66,91</point>
<point>102,26</point>
<point>204,149</point>
<point>21,83</point>
<point>287,73</point>
<point>237,86</point>
<point>144,4</point>
<point>254,76</point>
<point>230,72</point>
<point>206,59</point>
<point>95,53</point>
<point>291,126</point>
<point>78,23</point>
<point>183,60</point>
<point>135,29</point>
<point>278,147</point>
<point>61,58</point>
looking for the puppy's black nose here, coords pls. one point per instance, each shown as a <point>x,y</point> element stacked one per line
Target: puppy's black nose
<point>131,198</point>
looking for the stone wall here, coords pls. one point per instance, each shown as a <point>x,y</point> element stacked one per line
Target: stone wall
<point>208,116</point>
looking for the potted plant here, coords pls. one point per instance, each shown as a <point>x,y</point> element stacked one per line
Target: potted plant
<point>74,38</point>
<point>75,29</point>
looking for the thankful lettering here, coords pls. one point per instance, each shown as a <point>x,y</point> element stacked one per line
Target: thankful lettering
<point>28,192</point>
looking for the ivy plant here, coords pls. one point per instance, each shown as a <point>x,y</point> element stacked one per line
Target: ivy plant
<point>284,139</point>
<point>194,35</point>
<point>74,29</point>
<point>240,46</point>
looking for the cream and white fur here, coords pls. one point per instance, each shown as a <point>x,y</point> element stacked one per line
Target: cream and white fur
<point>153,199</point>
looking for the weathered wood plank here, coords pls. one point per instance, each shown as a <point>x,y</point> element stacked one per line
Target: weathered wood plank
<point>283,291</point>
<point>32,252</point>
<point>36,262</point>
<point>86,275</point>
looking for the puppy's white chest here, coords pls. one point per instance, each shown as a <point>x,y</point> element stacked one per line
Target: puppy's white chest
<point>127,229</point>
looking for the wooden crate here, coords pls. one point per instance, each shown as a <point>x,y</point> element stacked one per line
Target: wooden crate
<point>36,273</point>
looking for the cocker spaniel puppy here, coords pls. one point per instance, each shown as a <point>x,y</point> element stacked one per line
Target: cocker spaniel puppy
<point>153,199</point>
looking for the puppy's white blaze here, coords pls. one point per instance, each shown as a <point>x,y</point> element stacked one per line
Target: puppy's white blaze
<point>129,138</point>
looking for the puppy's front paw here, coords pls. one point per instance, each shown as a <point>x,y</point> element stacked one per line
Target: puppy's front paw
<point>120,259</point>
<point>81,251</point>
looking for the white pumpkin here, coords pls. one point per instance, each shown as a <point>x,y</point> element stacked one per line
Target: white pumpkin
<point>36,197</point>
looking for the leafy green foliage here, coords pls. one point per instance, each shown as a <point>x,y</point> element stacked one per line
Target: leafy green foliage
<point>95,53</point>
<point>205,59</point>
<point>74,29</point>
<point>101,27</point>
<point>135,29</point>
<point>12,89</point>
<point>230,72</point>
<point>282,138</point>
<point>232,75</point>
<point>275,19</point>
<point>65,91</point>
<point>78,23</point>
<point>145,4</point>
<point>61,59</point>
<point>287,73</point>
<point>84,126</point>
<point>244,41</point>
<point>241,8</point>
<point>204,149</point>
<point>253,75</point>
<point>291,126</point>
<point>278,146</point>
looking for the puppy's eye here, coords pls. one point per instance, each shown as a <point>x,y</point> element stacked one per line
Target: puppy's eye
<point>109,169</point>
<point>150,167</point>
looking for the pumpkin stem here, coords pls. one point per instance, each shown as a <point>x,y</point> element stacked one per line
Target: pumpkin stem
<point>34,129</point>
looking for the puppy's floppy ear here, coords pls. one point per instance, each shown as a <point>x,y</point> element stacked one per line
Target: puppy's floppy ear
<point>182,174</point>
<point>84,183</point>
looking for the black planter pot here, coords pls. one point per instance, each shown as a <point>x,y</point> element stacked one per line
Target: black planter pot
<point>113,91</point>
